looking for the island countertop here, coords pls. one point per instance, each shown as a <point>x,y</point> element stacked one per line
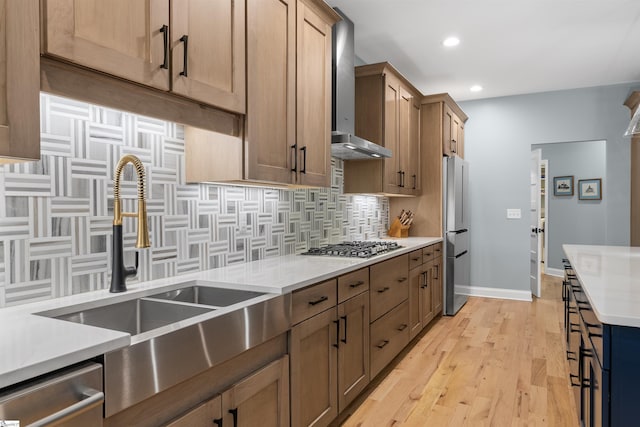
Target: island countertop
<point>610,278</point>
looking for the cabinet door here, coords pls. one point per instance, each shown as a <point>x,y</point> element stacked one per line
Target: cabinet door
<point>353,350</point>
<point>455,127</point>
<point>313,98</point>
<point>447,123</point>
<point>461,139</point>
<point>392,172</point>
<point>271,90</point>
<point>413,174</point>
<point>426,294</point>
<point>207,414</point>
<point>416,281</point>
<point>208,51</point>
<point>436,283</point>
<point>261,399</point>
<point>124,38</point>
<point>19,80</point>
<point>405,106</point>
<point>314,373</point>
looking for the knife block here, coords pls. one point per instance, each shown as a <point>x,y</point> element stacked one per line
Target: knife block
<point>397,229</point>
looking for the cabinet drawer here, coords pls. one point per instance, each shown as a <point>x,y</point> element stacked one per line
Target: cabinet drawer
<point>204,414</point>
<point>389,335</point>
<point>437,250</point>
<point>312,300</point>
<point>415,259</point>
<point>353,284</point>
<point>389,285</point>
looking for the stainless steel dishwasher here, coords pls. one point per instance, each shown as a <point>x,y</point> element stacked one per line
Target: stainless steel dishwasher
<point>71,397</point>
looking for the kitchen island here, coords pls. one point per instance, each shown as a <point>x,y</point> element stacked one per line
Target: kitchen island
<point>602,321</point>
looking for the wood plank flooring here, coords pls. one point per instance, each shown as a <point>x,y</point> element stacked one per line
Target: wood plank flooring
<point>496,363</point>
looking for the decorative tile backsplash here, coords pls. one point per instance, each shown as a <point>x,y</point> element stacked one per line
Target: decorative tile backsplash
<point>56,214</point>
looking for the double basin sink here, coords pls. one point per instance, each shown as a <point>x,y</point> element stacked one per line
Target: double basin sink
<point>177,334</point>
<point>148,313</point>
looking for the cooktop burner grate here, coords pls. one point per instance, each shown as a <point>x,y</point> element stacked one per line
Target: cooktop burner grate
<point>357,249</point>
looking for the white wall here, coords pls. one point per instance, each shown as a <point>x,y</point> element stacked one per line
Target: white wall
<point>498,139</point>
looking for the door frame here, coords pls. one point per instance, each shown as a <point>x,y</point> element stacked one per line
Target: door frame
<point>545,163</point>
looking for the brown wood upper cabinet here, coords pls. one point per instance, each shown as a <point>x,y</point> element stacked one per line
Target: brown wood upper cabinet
<point>288,127</point>
<point>194,48</point>
<point>387,113</point>
<point>19,81</point>
<point>452,131</point>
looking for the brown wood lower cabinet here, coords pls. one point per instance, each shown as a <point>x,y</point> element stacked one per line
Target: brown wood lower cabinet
<point>260,399</point>
<point>353,349</point>
<point>314,370</point>
<point>389,335</point>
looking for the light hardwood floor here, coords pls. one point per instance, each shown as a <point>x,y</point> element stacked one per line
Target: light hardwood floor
<point>496,363</point>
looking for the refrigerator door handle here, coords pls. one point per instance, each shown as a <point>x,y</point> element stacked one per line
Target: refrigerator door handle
<point>461,254</point>
<point>464,230</point>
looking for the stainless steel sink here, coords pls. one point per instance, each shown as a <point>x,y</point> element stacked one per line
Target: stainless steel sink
<point>135,316</point>
<point>218,297</point>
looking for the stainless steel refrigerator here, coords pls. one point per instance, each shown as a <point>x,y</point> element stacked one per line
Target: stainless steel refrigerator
<point>456,233</point>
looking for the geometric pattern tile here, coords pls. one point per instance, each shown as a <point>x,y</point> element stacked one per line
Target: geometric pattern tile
<point>55,214</point>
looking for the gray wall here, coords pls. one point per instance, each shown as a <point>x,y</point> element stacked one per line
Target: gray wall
<point>570,220</point>
<point>498,140</point>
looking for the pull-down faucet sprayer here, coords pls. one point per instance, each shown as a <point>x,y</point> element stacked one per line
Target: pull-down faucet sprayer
<point>119,272</point>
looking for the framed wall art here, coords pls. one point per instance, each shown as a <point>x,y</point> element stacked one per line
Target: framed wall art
<point>590,189</point>
<point>563,185</point>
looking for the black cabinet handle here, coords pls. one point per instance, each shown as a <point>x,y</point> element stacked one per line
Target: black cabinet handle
<point>385,289</point>
<point>571,355</point>
<point>437,272</point>
<point>294,149</point>
<point>416,259</point>
<point>400,179</point>
<point>382,344</point>
<point>574,327</point>
<point>402,279</point>
<point>337,323</point>
<point>218,422</point>
<point>415,180</point>
<point>319,300</point>
<point>402,327</point>
<point>185,39</point>
<point>304,159</point>
<point>593,335</point>
<point>577,378</point>
<point>234,413</point>
<point>355,285</point>
<point>165,39</point>
<point>344,340</point>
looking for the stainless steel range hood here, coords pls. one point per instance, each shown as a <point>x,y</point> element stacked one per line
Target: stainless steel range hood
<point>344,144</point>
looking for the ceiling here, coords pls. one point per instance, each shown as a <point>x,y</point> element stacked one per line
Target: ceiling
<point>508,47</point>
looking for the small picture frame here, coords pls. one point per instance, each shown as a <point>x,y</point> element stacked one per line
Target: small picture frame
<point>563,185</point>
<point>590,189</point>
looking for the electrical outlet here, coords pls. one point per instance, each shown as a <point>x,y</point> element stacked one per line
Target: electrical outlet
<point>514,214</point>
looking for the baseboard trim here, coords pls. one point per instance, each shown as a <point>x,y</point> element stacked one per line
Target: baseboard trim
<point>477,291</point>
<point>554,272</point>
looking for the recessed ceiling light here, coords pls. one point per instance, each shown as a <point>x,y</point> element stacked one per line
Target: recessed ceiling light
<point>475,88</point>
<point>451,41</point>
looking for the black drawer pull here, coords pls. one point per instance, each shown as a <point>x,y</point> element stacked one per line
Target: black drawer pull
<point>185,39</point>
<point>592,325</point>
<point>165,41</point>
<point>319,300</point>
<point>416,259</point>
<point>572,310</point>
<point>402,327</point>
<point>385,289</point>
<point>571,355</point>
<point>337,344</point>
<point>218,422</point>
<point>382,344</point>
<point>402,279</point>
<point>592,335</point>
<point>574,327</point>
<point>355,285</point>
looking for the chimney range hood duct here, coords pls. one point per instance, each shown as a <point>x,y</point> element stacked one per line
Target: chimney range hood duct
<point>344,144</point>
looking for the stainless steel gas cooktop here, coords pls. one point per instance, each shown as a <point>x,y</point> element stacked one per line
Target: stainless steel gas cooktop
<point>357,249</point>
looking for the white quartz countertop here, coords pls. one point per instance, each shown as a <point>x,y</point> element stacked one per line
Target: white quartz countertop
<point>610,278</point>
<point>33,345</point>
